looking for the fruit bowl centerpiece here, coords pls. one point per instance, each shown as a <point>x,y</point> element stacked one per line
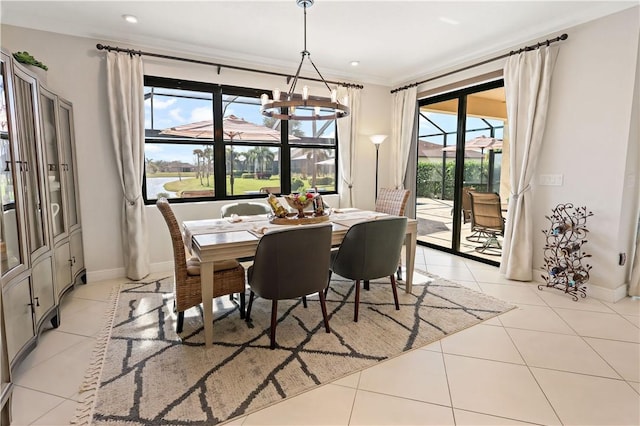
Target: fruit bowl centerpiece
<point>299,202</point>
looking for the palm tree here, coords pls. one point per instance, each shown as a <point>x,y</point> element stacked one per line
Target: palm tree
<point>198,153</point>
<point>261,155</point>
<point>207,162</point>
<point>314,156</point>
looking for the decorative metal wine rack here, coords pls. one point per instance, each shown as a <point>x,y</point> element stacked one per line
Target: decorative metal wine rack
<point>563,255</point>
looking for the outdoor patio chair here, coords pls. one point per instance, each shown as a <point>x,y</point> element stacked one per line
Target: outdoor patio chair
<point>486,213</point>
<point>228,274</point>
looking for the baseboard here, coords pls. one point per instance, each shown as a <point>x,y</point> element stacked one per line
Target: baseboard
<point>105,274</point>
<point>607,294</point>
<point>112,274</point>
<point>611,295</point>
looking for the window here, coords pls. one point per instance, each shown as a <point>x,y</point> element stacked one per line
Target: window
<point>207,141</point>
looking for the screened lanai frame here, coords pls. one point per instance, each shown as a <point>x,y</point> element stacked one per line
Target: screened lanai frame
<point>493,126</point>
<point>443,174</point>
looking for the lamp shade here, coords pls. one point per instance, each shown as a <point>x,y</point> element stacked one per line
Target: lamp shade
<point>377,139</point>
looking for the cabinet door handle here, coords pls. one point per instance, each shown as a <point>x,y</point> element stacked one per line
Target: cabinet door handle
<point>7,168</point>
<point>74,259</point>
<point>53,167</point>
<point>37,300</point>
<point>70,262</point>
<point>26,166</point>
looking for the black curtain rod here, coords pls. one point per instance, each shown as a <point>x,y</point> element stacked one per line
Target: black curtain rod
<point>220,66</point>
<point>513,52</point>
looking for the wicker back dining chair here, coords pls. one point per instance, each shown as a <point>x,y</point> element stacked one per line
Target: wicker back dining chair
<point>228,274</point>
<point>393,201</point>
<point>280,256</point>
<point>368,251</point>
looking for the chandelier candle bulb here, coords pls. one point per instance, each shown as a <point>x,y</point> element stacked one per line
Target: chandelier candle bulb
<point>305,93</point>
<point>276,94</point>
<point>334,96</point>
<point>316,110</point>
<point>264,98</point>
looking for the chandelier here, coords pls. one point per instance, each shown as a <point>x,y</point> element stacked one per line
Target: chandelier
<point>302,107</point>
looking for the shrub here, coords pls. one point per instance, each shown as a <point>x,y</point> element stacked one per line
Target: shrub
<point>263,175</point>
<point>324,180</point>
<point>296,184</point>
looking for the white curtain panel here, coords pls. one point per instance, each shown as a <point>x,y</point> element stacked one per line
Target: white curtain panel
<point>125,79</point>
<point>634,282</point>
<point>404,114</point>
<point>527,81</point>
<point>347,137</point>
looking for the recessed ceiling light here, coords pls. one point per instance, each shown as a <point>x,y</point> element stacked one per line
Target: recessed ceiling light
<point>355,63</point>
<point>130,18</point>
<point>448,21</point>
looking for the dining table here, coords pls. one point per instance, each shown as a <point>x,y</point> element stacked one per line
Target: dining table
<point>212,240</point>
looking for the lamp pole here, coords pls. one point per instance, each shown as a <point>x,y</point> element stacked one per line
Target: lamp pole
<point>377,141</point>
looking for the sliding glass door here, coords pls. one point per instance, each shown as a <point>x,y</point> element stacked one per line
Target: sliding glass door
<point>460,142</point>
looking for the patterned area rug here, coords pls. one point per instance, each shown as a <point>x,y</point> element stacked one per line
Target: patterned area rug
<point>145,374</point>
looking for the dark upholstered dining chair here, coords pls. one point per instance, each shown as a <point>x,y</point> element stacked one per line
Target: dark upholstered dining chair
<point>275,273</point>
<point>368,251</point>
<point>244,209</point>
<point>393,201</point>
<point>228,274</point>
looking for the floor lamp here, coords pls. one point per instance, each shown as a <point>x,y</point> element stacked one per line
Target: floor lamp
<point>377,141</point>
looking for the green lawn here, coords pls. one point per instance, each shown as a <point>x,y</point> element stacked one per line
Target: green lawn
<point>240,185</point>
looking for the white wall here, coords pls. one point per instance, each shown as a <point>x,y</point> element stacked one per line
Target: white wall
<point>77,72</point>
<point>590,140</point>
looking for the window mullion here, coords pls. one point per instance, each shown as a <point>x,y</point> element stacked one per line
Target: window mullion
<point>219,165</point>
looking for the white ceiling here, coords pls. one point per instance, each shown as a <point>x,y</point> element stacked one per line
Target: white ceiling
<point>395,41</point>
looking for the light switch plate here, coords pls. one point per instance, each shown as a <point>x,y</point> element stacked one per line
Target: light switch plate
<point>550,180</point>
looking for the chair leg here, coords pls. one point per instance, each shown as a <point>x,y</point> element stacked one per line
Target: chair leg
<point>326,290</point>
<point>242,305</point>
<point>395,292</point>
<point>323,305</point>
<point>247,316</point>
<point>357,302</point>
<point>304,301</point>
<point>180,323</point>
<point>274,322</point>
<point>366,285</point>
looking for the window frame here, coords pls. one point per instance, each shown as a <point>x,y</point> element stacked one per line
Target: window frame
<point>219,144</point>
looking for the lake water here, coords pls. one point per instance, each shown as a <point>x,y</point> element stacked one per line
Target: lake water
<point>156,185</point>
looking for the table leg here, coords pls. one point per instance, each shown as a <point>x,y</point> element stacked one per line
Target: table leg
<point>410,242</point>
<point>206,277</point>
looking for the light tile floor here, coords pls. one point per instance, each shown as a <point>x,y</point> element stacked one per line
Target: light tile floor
<point>551,361</point>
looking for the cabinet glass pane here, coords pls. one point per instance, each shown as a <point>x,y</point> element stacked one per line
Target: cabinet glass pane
<point>28,143</point>
<point>10,253</point>
<point>54,165</point>
<point>64,117</point>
